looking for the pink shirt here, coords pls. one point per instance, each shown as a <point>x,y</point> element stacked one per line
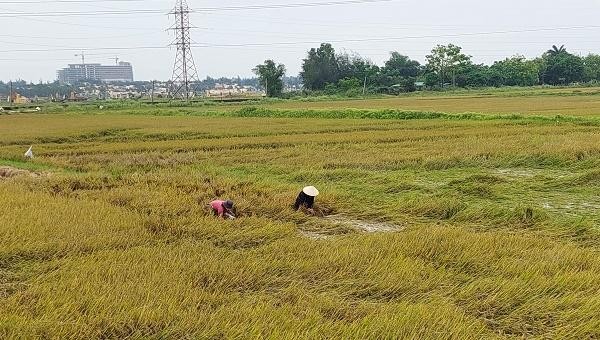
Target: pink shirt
<point>217,206</point>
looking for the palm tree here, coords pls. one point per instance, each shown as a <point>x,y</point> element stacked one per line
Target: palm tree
<point>557,50</point>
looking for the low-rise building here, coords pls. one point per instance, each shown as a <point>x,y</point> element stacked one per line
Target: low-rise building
<point>233,90</point>
<point>16,98</point>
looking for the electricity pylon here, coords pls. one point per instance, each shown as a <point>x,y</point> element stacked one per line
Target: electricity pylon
<point>185,74</point>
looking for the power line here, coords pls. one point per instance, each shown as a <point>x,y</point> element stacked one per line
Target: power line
<point>452,35</point>
<point>339,23</point>
<point>20,2</point>
<point>287,35</point>
<point>292,5</point>
<point>35,60</point>
<point>78,24</point>
<point>89,13</point>
<point>283,43</point>
<point>88,49</point>
<point>62,37</point>
<point>207,30</point>
<point>202,9</point>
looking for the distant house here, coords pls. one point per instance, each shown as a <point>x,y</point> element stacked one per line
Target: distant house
<point>223,90</point>
<point>18,99</point>
<point>123,94</point>
<point>159,92</point>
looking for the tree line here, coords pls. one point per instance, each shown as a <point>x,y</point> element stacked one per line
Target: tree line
<point>326,71</point>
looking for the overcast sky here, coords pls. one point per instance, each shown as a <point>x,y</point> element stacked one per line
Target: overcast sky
<point>33,48</point>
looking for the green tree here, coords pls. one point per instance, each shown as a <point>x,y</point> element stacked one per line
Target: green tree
<point>401,66</point>
<point>324,69</point>
<point>356,68</point>
<point>431,79</point>
<point>270,76</point>
<point>472,75</point>
<point>554,51</point>
<point>592,67</point>
<point>344,66</point>
<point>446,61</point>
<point>540,64</point>
<point>349,83</point>
<point>399,73</point>
<point>514,71</point>
<point>562,67</point>
<point>320,67</point>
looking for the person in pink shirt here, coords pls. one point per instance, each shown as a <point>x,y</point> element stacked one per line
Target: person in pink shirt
<point>222,208</point>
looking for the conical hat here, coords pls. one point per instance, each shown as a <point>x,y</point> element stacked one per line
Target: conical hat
<point>311,191</point>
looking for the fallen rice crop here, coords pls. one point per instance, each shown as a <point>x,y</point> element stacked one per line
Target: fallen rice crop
<point>491,227</point>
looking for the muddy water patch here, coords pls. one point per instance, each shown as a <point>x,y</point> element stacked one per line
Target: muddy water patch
<point>338,225</point>
<point>589,206</point>
<point>530,173</point>
<point>365,226</point>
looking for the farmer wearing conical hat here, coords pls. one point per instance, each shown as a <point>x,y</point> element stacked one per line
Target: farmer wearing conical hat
<point>306,199</point>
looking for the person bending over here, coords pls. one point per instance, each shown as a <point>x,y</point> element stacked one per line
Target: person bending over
<point>223,209</point>
<point>306,199</point>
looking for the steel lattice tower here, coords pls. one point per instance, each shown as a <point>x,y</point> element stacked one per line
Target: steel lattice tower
<point>184,70</point>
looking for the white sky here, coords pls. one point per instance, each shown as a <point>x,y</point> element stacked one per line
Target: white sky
<point>411,27</point>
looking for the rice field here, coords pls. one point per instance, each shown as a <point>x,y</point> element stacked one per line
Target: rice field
<point>541,102</point>
<point>434,227</point>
